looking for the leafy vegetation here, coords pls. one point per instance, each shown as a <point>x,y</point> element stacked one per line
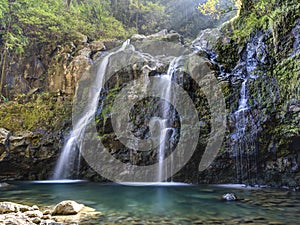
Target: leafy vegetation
<point>34,27</point>
<point>216,8</point>
<point>264,15</point>
<point>144,15</point>
<point>210,7</point>
<point>150,16</point>
<point>34,24</point>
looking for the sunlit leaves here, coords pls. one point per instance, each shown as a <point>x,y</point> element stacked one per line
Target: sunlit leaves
<point>3,8</point>
<point>31,21</point>
<point>210,8</point>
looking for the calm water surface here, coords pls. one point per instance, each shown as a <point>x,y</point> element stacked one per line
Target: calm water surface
<point>162,204</point>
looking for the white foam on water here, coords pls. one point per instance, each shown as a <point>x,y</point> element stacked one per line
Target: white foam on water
<point>154,184</point>
<point>65,181</point>
<point>238,186</point>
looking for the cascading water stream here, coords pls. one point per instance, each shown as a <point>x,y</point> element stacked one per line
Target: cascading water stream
<point>243,103</point>
<point>70,155</point>
<point>162,148</point>
<point>166,82</point>
<point>243,141</point>
<point>244,137</point>
<point>240,141</point>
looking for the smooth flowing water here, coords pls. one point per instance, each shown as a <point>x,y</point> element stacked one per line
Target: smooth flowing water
<point>244,137</point>
<point>166,83</point>
<point>69,159</point>
<point>175,204</point>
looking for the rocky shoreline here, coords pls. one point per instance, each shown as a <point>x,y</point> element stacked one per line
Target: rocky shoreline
<point>71,213</point>
<point>65,212</point>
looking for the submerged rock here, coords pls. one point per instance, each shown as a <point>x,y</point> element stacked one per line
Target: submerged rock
<point>230,197</point>
<point>4,185</point>
<point>67,207</point>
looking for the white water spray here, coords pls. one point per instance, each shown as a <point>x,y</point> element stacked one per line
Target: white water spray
<point>69,159</point>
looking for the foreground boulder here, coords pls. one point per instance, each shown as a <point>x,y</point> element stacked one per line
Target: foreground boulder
<point>66,212</point>
<point>67,207</point>
<point>9,207</point>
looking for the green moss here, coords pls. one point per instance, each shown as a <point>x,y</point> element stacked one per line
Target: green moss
<point>228,54</point>
<point>107,108</point>
<point>42,111</point>
<point>287,73</point>
<point>263,15</point>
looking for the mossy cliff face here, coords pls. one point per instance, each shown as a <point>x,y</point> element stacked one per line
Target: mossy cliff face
<point>52,67</point>
<point>36,112</point>
<point>261,48</point>
<point>31,134</point>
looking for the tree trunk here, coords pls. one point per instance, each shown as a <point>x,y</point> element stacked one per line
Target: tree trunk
<point>3,70</point>
<point>68,2</point>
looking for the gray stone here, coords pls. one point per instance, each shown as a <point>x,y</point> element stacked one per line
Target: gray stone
<point>34,213</point>
<point>47,212</point>
<point>50,222</point>
<point>35,207</point>
<point>36,220</point>
<point>4,185</point>
<point>67,207</point>
<point>97,46</point>
<point>4,136</point>
<point>137,37</point>
<point>8,207</point>
<point>229,197</point>
<point>207,39</point>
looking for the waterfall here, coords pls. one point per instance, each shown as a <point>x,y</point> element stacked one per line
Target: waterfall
<point>296,34</point>
<point>69,159</point>
<point>244,141</point>
<point>243,98</point>
<point>166,82</point>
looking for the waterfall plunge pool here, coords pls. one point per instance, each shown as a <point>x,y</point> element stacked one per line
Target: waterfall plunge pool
<point>163,204</point>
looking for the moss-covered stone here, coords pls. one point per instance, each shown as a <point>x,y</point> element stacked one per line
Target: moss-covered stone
<point>45,111</point>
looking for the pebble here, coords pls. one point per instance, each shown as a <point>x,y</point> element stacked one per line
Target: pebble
<point>47,212</point>
<point>36,220</point>
<point>35,213</point>
<point>47,217</point>
<point>35,207</point>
